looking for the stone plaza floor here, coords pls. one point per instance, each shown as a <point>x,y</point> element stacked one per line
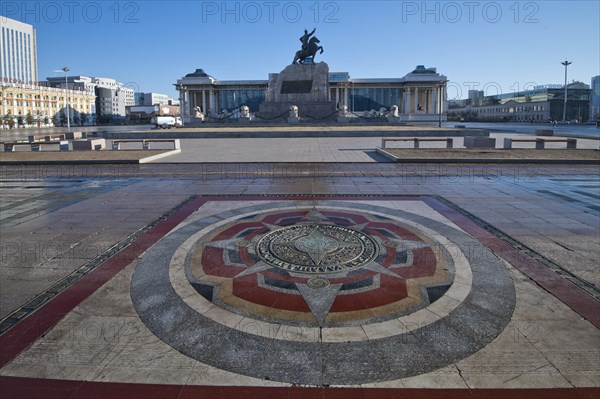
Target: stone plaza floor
<point>300,279</point>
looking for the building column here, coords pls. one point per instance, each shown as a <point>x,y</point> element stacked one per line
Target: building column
<point>346,93</point>
<point>429,108</point>
<point>430,102</point>
<point>407,101</point>
<point>415,100</point>
<point>203,94</point>
<point>182,102</point>
<point>188,102</point>
<point>211,100</point>
<point>443,98</point>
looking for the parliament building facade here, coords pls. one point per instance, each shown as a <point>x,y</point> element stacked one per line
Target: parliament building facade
<point>420,95</point>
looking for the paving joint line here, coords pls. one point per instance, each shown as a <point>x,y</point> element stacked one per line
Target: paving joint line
<point>589,288</point>
<point>27,309</point>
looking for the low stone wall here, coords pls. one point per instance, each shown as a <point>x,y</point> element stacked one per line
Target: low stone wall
<point>274,132</point>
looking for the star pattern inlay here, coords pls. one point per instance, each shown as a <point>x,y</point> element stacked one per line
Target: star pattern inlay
<point>319,247</point>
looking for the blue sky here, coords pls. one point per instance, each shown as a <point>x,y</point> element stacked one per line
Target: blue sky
<point>492,45</point>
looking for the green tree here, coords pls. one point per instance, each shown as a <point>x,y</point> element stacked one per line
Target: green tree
<point>55,119</point>
<point>8,120</point>
<point>29,118</point>
<point>83,116</point>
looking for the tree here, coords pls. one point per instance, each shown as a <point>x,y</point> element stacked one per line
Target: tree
<point>55,119</point>
<point>83,118</point>
<point>29,118</point>
<point>46,120</point>
<point>8,120</point>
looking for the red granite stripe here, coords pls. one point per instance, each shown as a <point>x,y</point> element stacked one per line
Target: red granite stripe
<point>113,390</point>
<point>529,393</point>
<point>34,388</point>
<point>415,393</point>
<point>561,288</point>
<point>296,392</point>
<point>222,392</point>
<point>30,329</point>
<point>342,197</point>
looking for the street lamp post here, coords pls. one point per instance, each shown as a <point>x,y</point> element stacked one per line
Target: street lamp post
<point>66,69</point>
<point>566,64</point>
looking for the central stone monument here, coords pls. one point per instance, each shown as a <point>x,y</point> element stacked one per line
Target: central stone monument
<point>304,84</point>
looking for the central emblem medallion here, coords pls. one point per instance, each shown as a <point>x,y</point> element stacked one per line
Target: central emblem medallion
<point>317,248</point>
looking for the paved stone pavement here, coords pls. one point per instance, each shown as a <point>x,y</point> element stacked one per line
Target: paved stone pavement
<point>89,228</point>
<point>326,149</point>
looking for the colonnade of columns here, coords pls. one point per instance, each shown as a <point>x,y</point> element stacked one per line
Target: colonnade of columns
<point>190,99</point>
<point>422,99</point>
<point>413,99</point>
<point>341,96</point>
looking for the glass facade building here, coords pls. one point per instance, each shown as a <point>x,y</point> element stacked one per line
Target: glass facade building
<point>18,52</point>
<point>232,98</point>
<point>365,99</point>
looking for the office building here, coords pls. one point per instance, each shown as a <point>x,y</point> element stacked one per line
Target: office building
<point>542,104</point>
<point>17,52</point>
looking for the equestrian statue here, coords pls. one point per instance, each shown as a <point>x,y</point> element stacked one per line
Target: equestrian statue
<point>309,47</point>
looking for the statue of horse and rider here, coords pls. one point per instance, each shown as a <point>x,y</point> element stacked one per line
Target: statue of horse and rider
<point>309,47</point>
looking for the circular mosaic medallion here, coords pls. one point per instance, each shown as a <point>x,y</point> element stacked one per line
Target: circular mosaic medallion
<point>317,248</point>
<point>347,256</point>
<point>324,294</point>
